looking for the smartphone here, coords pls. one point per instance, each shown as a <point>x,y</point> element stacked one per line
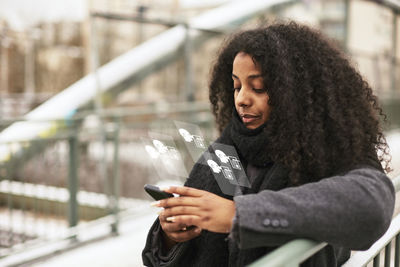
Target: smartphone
<point>156,193</point>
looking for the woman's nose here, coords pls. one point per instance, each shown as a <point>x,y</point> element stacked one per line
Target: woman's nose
<point>243,98</point>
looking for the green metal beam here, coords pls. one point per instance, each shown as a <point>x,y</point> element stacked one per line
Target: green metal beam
<point>73,181</point>
<point>290,254</point>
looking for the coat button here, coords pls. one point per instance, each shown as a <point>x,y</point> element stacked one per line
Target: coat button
<point>284,223</point>
<point>275,223</point>
<point>267,222</point>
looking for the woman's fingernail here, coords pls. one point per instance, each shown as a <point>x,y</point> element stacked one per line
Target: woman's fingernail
<point>155,204</point>
<point>159,212</point>
<point>171,219</point>
<point>164,188</point>
<point>197,230</point>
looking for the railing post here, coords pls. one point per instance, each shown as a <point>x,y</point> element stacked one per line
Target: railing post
<point>377,261</point>
<point>73,178</point>
<point>394,53</point>
<point>10,207</point>
<point>188,50</point>
<point>388,249</point>
<point>116,184</point>
<point>397,251</point>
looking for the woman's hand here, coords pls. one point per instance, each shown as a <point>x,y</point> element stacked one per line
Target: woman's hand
<point>196,207</point>
<point>175,232</point>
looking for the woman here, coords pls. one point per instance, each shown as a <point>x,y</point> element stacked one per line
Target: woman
<point>306,127</point>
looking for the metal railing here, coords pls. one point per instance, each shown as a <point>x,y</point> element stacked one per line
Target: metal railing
<point>50,207</point>
<point>45,205</point>
<point>297,251</point>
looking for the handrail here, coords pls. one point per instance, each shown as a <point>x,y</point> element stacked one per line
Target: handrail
<point>119,112</point>
<point>296,251</point>
<point>396,183</point>
<point>290,254</point>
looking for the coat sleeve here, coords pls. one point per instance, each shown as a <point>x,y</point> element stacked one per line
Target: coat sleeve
<point>351,210</point>
<point>153,255</point>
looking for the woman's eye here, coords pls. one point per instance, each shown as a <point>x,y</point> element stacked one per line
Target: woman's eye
<point>259,91</point>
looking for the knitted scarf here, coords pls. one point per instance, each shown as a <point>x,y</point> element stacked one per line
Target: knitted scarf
<point>250,143</point>
<point>251,146</point>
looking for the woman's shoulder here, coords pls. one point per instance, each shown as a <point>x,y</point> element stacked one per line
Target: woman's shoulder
<point>370,163</point>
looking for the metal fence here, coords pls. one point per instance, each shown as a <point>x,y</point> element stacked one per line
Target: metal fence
<point>39,189</point>
<point>89,169</point>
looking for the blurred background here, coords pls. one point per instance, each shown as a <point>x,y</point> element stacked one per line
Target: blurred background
<point>82,81</point>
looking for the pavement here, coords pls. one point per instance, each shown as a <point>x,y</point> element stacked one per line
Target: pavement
<point>122,250</point>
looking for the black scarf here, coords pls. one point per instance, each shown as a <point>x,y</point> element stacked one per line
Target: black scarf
<point>250,143</point>
<point>252,148</point>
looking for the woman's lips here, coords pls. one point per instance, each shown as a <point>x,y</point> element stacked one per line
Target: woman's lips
<point>249,118</point>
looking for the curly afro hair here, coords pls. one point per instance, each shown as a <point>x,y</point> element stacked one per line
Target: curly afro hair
<point>324,118</point>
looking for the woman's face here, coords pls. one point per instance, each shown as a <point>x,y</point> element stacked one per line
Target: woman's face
<point>251,99</point>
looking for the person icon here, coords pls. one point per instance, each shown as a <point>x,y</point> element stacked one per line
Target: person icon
<point>214,166</point>
<point>235,163</point>
<point>186,135</point>
<point>222,156</point>
<point>228,174</point>
<point>154,154</point>
<point>173,153</point>
<point>160,146</point>
<point>199,142</point>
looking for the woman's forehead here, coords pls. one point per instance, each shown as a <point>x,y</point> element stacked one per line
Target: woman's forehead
<point>244,63</point>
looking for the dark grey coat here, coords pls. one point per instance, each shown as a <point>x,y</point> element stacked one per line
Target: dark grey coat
<point>350,211</point>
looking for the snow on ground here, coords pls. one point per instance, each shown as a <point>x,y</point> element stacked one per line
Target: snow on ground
<point>32,224</point>
<point>123,250</point>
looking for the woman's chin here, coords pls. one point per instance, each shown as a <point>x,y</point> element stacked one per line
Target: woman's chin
<point>252,126</point>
